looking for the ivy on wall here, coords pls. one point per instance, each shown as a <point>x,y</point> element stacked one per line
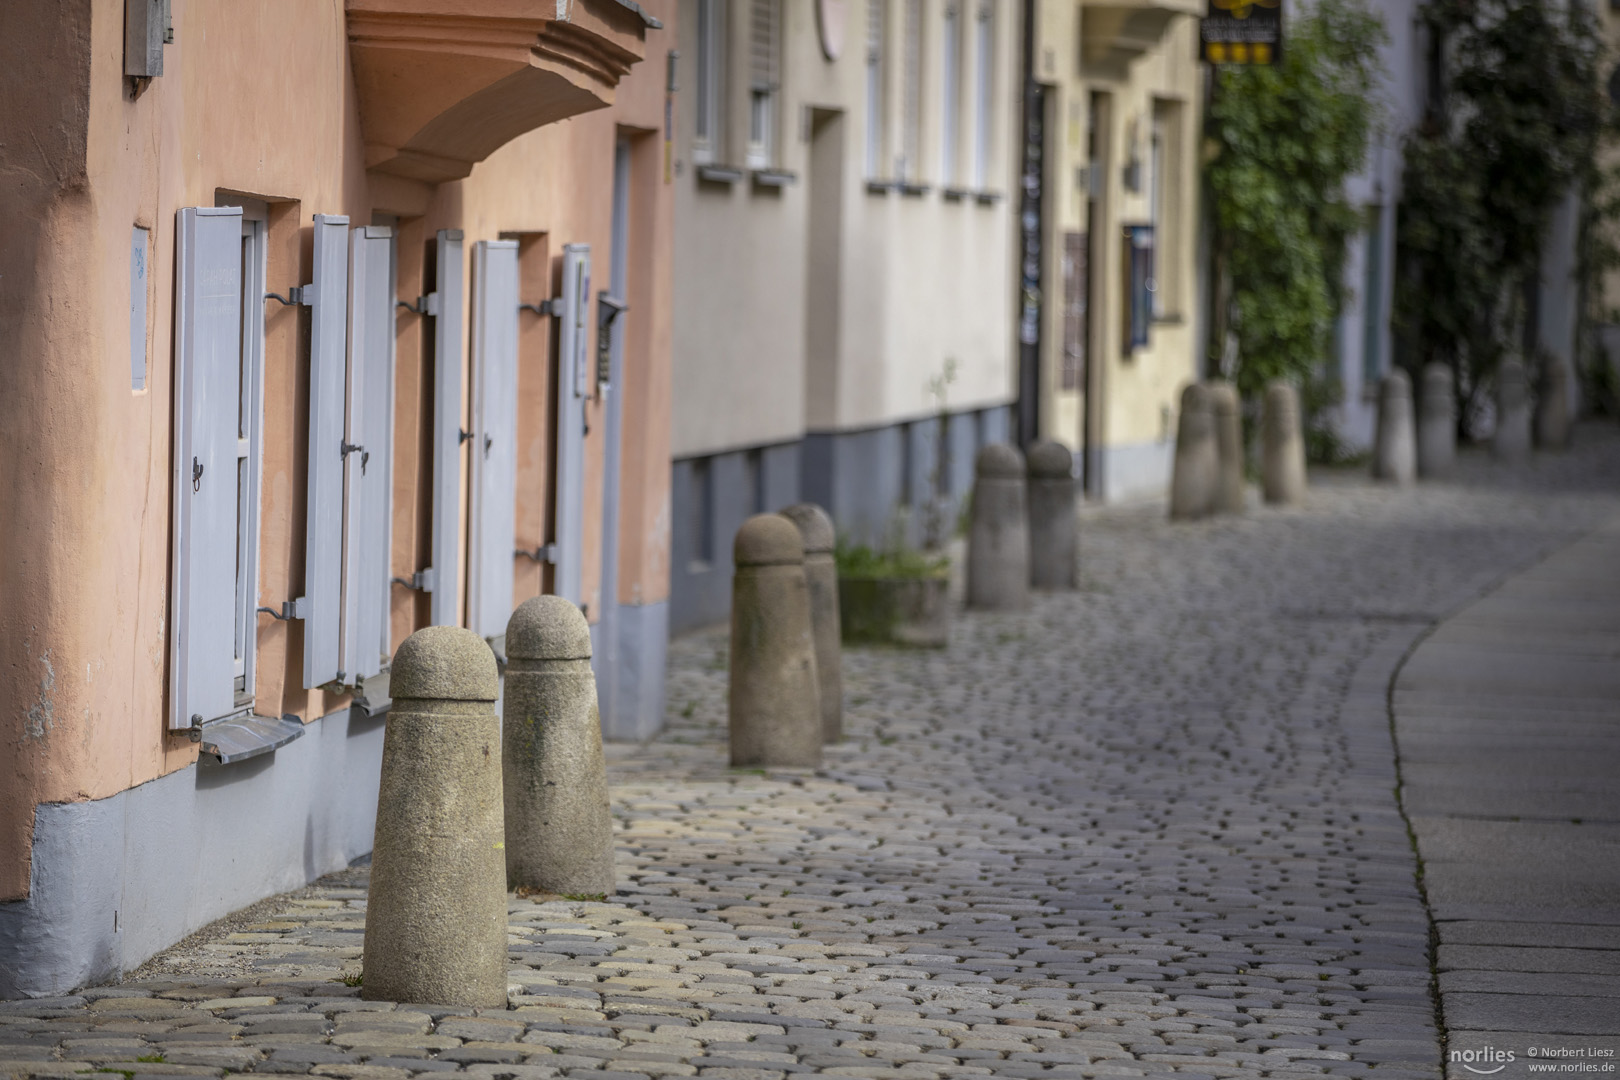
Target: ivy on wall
<point>1510,129</point>
<point>1281,141</point>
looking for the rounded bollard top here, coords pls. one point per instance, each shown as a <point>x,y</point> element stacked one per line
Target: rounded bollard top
<point>1282,402</point>
<point>1437,374</point>
<point>767,540</point>
<point>999,461</point>
<point>815,527</point>
<point>1195,397</point>
<point>444,663</point>
<point>1050,460</point>
<point>1396,384</point>
<point>548,628</point>
<point>1221,395</point>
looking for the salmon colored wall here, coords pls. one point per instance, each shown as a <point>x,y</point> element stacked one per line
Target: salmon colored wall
<point>258,99</point>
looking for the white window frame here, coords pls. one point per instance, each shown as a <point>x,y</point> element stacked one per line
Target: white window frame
<point>984,69</point>
<point>763,86</point>
<point>250,448</point>
<point>708,111</point>
<point>876,38</point>
<point>950,85</point>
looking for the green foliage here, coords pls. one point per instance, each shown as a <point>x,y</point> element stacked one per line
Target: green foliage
<point>861,561</point>
<point>1283,140</point>
<point>1513,131</point>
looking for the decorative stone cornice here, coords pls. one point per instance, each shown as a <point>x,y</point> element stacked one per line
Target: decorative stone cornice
<point>442,84</point>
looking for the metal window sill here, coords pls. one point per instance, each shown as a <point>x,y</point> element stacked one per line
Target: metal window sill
<point>988,198</point>
<point>913,191</point>
<point>774,178</point>
<point>719,174</point>
<point>954,194</point>
<point>879,187</point>
<point>371,696</point>
<point>229,741</point>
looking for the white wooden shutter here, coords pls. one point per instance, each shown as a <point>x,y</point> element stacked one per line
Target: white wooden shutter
<point>207,399</point>
<point>447,360</point>
<point>328,296</point>
<point>573,387</point>
<point>494,443</point>
<point>368,466</point>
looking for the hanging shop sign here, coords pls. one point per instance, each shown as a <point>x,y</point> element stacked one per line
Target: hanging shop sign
<point>1241,32</point>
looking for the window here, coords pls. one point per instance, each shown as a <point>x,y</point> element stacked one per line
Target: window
<point>1164,207</point>
<point>709,82</point>
<point>219,340</point>
<point>700,508</point>
<point>764,77</point>
<point>983,72</point>
<point>876,13</point>
<point>1372,297</point>
<point>911,97</point>
<point>950,111</point>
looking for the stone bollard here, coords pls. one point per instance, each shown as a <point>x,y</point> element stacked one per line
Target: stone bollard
<point>1395,445</point>
<point>998,537</point>
<point>559,828</point>
<point>1282,446</point>
<point>1192,483</point>
<point>1511,442</point>
<point>821,577</point>
<point>1227,415</point>
<point>775,708</point>
<point>1437,422</point>
<point>1553,428</point>
<point>1053,528</point>
<point>436,913</point>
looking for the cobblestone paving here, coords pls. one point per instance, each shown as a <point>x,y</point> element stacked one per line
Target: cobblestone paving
<point>1145,829</point>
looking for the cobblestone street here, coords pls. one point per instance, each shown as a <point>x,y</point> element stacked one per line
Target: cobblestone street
<point>1149,828</point>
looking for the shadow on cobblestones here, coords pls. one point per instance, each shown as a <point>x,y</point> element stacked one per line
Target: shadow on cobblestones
<point>1148,828</point>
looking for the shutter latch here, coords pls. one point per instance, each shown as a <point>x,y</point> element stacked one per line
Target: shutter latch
<point>544,307</point>
<point>297,296</point>
<point>365,455</point>
<point>546,553</point>
<point>290,609</point>
<point>421,581</point>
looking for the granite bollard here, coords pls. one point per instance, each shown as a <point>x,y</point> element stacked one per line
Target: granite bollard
<point>821,577</point>
<point>436,913</point>
<point>1227,414</point>
<point>1395,444</point>
<point>1193,479</point>
<point>559,827</point>
<point>1437,422</point>
<point>1511,441</point>
<point>1282,446</point>
<point>1053,526</point>
<point>998,535</point>
<point>1553,428</point>
<point>774,700</point>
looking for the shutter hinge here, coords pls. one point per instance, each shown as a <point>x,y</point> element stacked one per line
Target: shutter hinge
<point>421,581</point>
<point>290,609</point>
<point>545,553</point>
<point>298,295</point>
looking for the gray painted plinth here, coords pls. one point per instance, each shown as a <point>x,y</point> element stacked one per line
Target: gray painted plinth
<point>774,707</point>
<point>559,826</point>
<point>114,881</point>
<point>436,909</point>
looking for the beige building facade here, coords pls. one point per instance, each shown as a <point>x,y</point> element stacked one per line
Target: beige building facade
<point>1111,325</point>
<point>843,327</point>
<point>308,348</point>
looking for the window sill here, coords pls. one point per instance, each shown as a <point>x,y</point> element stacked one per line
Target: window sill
<point>719,174</point>
<point>229,741</point>
<point>912,191</point>
<point>988,198</point>
<point>954,194</point>
<point>774,178</point>
<point>879,187</point>
<point>1173,319</point>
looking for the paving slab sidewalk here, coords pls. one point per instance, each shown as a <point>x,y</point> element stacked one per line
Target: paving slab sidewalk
<point>1507,721</point>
